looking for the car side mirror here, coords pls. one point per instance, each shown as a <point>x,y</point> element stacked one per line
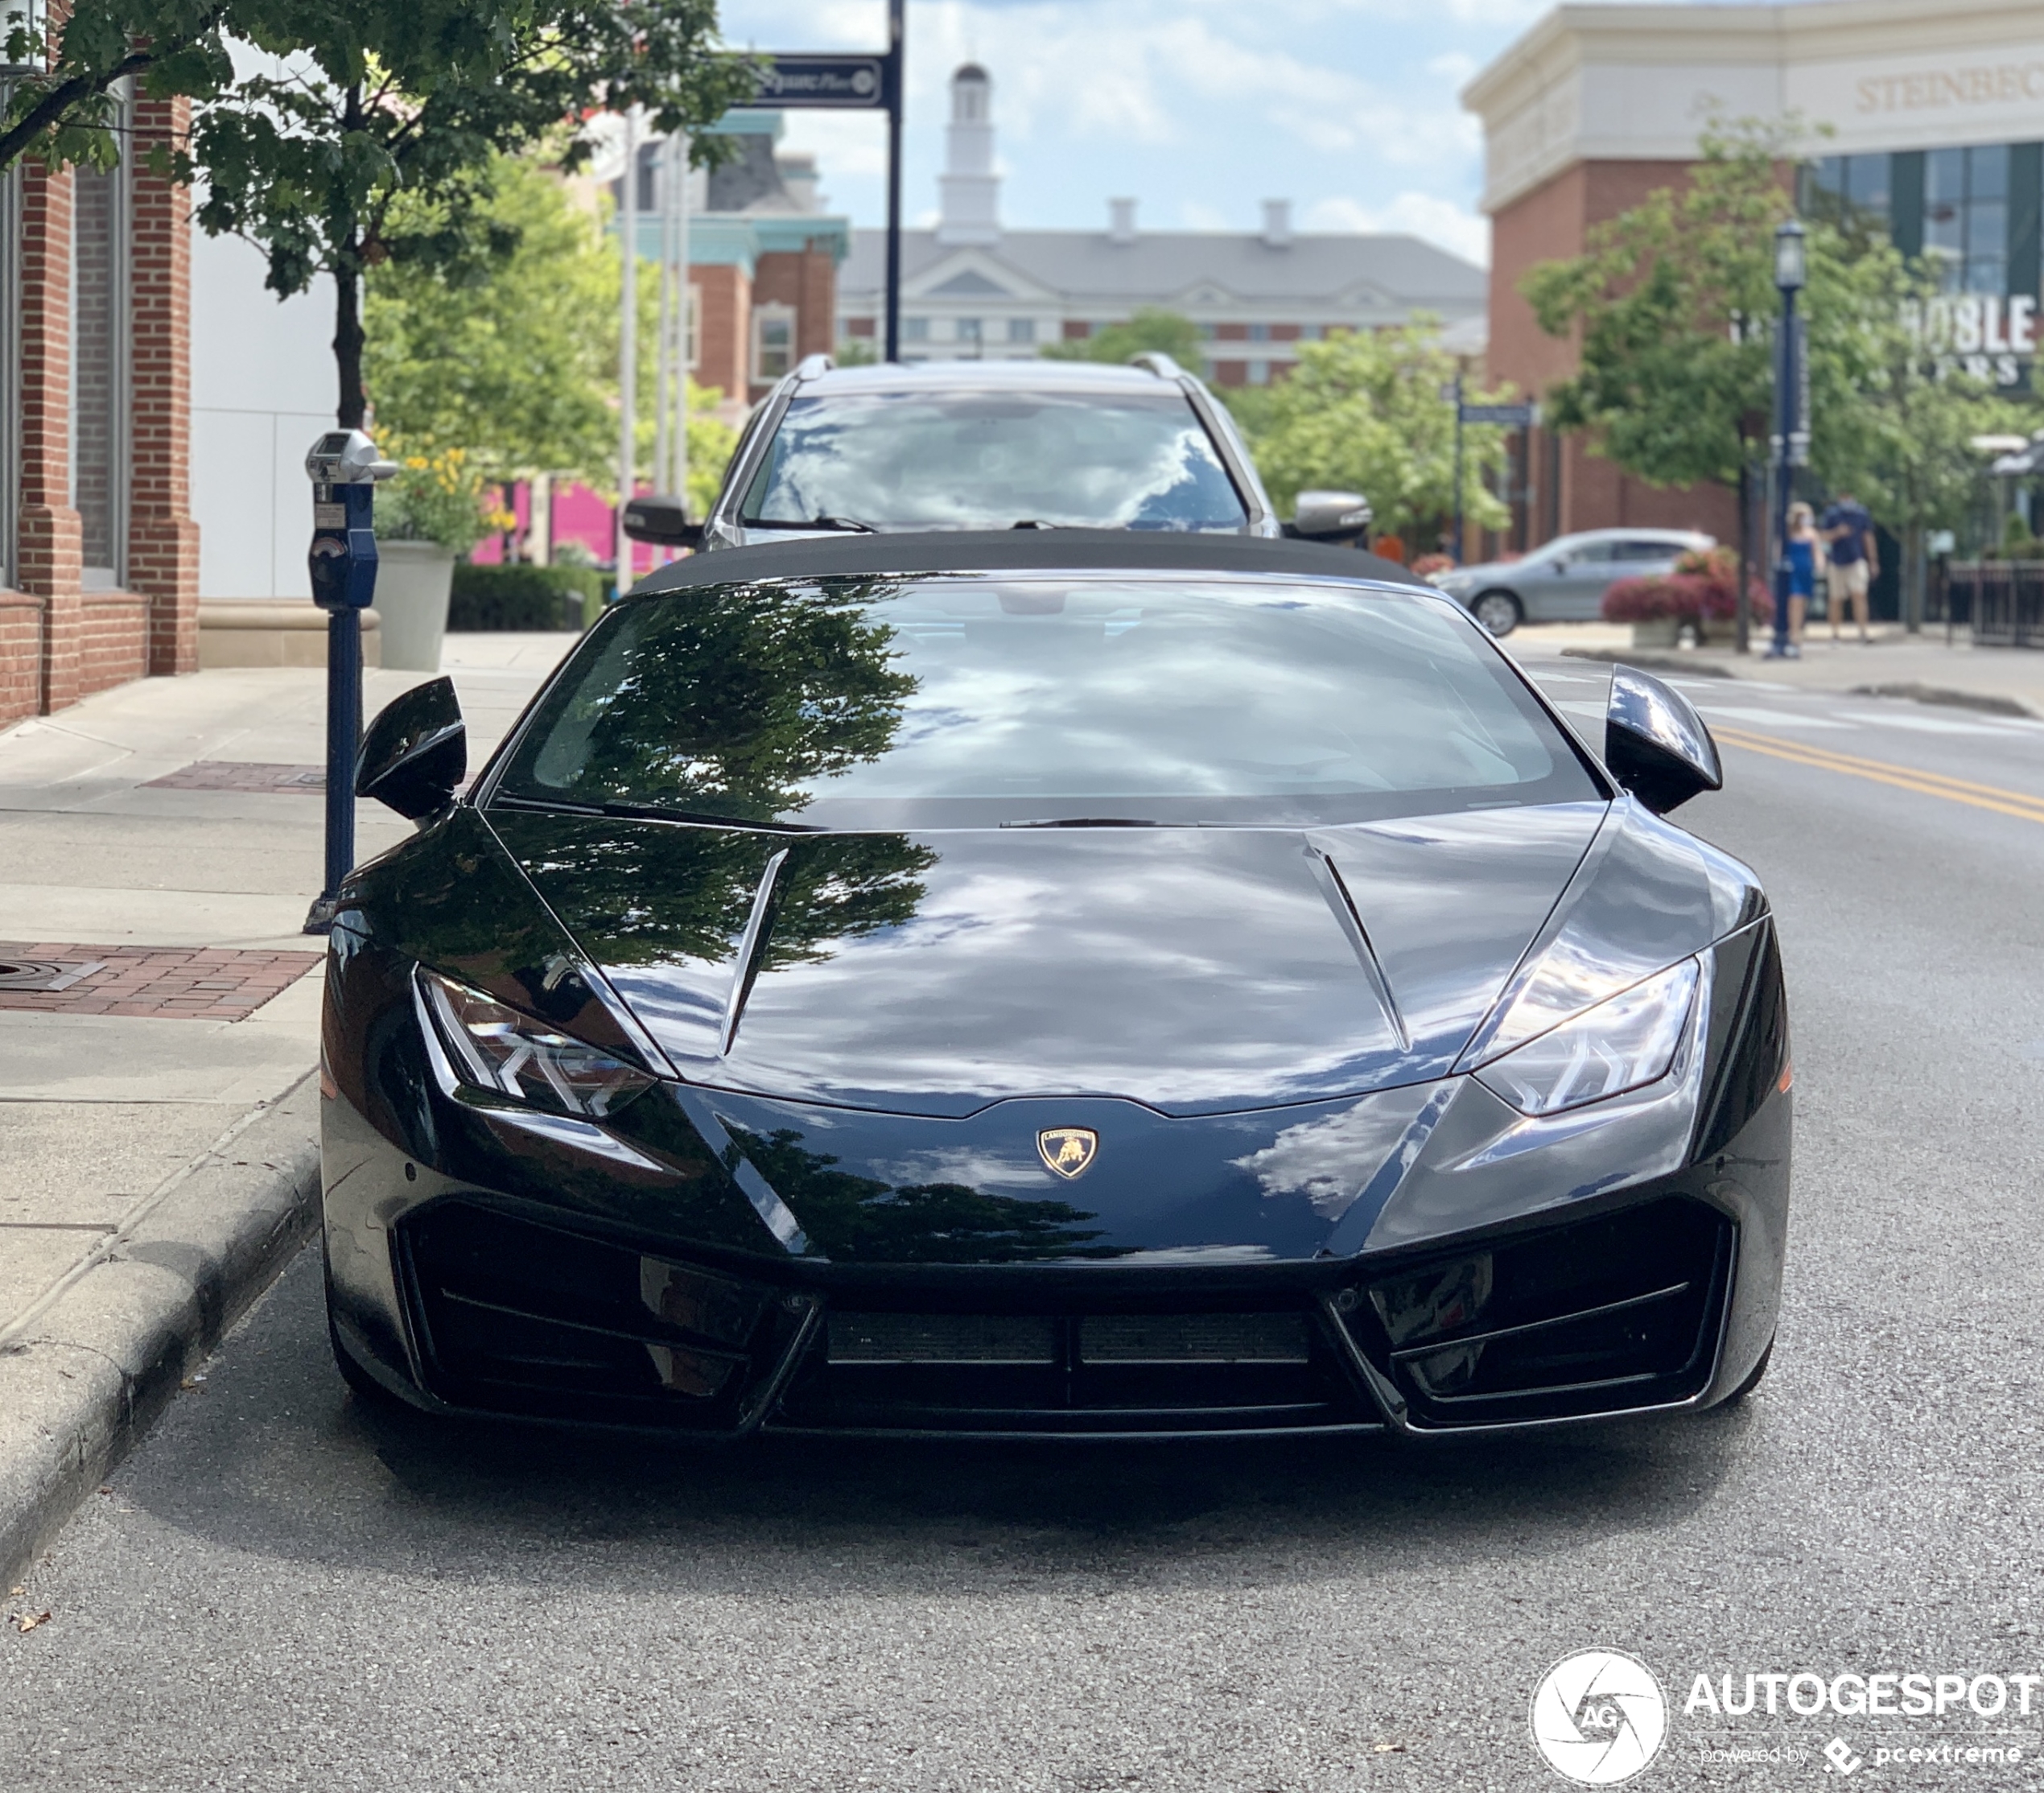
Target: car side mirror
<point>415,753</point>
<point>657,518</point>
<point>1330,516</point>
<point>1656,743</point>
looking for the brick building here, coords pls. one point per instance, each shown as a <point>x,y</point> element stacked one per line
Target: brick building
<point>763,259</point>
<point>99,553</point>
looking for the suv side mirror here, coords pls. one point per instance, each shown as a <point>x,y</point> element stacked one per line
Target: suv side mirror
<point>1330,516</point>
<point>1656,743</point>
<point>415,753</point>
<point>657,518</point>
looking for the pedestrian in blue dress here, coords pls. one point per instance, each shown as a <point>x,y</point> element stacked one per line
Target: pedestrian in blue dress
<point>1806,558</point>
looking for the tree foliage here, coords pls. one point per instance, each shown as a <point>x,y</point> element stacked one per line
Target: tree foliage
<point>1674,306</point>
<point>308,145</point>
<point>515,359</point>
<point>1151,330</point>
<point>1363,411</point>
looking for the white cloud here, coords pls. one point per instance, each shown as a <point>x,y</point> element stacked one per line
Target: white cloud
<point>1452,226</point>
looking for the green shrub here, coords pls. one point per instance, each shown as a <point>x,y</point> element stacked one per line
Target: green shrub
<point>520,597</point>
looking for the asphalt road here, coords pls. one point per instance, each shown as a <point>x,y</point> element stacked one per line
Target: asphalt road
<point>281,1592</point>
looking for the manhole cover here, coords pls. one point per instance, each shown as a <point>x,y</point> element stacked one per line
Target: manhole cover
<point>43,973</point>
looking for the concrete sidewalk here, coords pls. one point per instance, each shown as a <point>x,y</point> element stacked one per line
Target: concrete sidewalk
<point>1896,664</point>
<point>159,844</point>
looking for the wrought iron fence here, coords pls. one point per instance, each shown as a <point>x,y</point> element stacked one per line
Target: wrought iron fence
<point>2002,601</point>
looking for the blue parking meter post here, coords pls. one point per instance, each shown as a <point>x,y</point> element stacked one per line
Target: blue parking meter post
<point>343,467</point>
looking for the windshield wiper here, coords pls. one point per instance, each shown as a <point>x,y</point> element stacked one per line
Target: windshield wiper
<point>1090,821</point>
<point>654,812</point>
<point>850,523</point>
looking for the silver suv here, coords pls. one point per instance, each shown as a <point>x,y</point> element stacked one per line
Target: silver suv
<point>1565,581</point>
<point>977,445</point>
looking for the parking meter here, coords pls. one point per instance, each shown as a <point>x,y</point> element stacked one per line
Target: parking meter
<point>343,467</point>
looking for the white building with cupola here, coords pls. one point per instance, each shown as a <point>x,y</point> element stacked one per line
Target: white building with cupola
<point>972,289</point>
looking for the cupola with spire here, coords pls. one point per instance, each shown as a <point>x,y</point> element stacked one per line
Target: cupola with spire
<point>970,188</point>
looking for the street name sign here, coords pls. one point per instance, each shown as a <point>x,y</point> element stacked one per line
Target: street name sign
<point>1512,417</point>
<point>840,83</point>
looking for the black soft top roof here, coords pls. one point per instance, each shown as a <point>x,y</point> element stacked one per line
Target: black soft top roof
<point>847,555</point>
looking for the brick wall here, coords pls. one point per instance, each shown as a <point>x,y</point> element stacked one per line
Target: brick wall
<point>807,280</point>
<point>57,642</point>
<point>1551,223</point>
<point>724,330</point>
<point>163,539</point>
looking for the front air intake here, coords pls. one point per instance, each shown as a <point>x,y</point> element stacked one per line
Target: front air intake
<point>514,1315</point>
<point>1606,1315</point>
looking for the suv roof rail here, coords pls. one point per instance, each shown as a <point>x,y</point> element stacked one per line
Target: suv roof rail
<point>1157,362</point>
<point>811,365</point>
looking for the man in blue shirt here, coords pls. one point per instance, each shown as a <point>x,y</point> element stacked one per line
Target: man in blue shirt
<point>1848,530</point>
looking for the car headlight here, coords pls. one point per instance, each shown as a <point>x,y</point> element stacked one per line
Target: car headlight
<point>1624,1042</point>
<point>497,1048</point>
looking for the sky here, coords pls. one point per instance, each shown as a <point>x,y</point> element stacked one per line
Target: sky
<point>1198,110</point>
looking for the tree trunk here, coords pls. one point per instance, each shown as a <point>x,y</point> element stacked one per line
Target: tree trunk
<point>348,334</point>
<point>347,347</point>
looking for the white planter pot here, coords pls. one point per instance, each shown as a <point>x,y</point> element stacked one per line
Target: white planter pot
<point>413,580</point>
<point>1661,633</point>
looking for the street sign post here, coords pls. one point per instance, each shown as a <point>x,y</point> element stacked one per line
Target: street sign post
<point>838,81</point>
<point>1509,417</point>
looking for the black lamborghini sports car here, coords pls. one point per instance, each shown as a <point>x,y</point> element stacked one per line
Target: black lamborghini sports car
<point>1051,983</point>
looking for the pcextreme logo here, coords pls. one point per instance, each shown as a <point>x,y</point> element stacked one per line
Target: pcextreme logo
<point>1599,1717</point>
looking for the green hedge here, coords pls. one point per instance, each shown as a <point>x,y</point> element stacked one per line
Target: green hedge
<point>517,597</point>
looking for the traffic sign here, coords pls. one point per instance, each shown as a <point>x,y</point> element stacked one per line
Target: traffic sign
<point>1512,417</point>
<point>839,83</point>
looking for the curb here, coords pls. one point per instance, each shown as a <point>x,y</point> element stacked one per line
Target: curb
<point>1651,661</point>
<point>1917,692</point>
<point>85,1373</point>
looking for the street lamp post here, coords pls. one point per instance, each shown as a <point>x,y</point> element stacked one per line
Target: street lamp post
<point>1791,273</point>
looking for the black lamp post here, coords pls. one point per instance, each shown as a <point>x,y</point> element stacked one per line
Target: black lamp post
<point>1791,274</point>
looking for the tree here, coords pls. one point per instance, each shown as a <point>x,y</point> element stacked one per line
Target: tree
<point>515,360</point>
<point>307,148</point>
<point>1152,329</point>
<point>1364,412</point>
<point>1675,305</point>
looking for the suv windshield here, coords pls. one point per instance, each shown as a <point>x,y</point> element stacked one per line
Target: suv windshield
<point>913,460</point>
<point>972,701</point>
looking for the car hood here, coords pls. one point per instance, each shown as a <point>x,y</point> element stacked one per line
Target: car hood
<point>1192,970</point>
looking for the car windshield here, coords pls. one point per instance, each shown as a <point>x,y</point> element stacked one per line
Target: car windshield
<point>958,701</point>
<point>913,460</point>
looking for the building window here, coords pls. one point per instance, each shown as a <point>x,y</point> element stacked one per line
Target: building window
<point>1966,217</point>
<point>1312,333</point>
<point>1260,332</point>
<point>966,330</point>
<point>99,372</point>
<point>1260,373</point>
<point>773,341</point>
<point>1853,193</point>
<point>1021,329</point>
<point>915,329</point>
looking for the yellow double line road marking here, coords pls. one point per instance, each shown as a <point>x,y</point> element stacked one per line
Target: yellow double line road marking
<point>1925,784</point>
